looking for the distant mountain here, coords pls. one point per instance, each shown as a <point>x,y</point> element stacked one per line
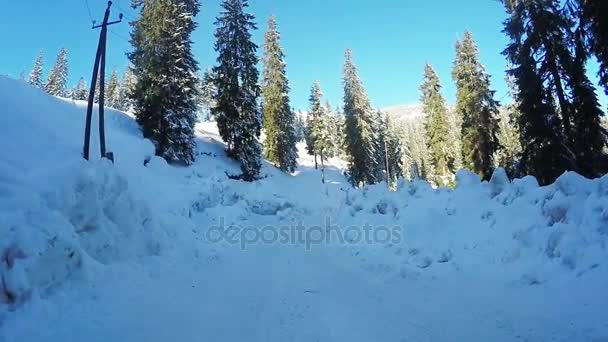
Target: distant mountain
<point>408,112</point>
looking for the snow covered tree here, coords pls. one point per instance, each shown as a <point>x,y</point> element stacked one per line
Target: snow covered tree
<point>35,78</point>
<point>236,103</point>
<point>421,165</point>
<point>112,91</point>
<point>358,128</point>
<point>207,94</point>
<point>436,124</point>
<point>507,156</point>
<point>80,92</point>
<point>279,120</point>
<point>390,153</point>
<point>300,126</point>
<point>58,77</point>
<point>126,86</point>
<point>476,108</point>
<point>165,91</point>
<point>455,162</point>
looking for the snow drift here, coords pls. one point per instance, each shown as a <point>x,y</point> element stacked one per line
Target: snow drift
<point>124,248</point>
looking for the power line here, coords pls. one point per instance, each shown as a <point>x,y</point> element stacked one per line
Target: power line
<point>124,12</point>
<point>118,35</point>
<point>86,2</point>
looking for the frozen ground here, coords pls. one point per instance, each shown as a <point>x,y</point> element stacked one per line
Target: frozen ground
<point>92,251</point>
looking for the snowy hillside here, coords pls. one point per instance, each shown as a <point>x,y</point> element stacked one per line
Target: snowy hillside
<point>405,113</point>
<point>94,251</point>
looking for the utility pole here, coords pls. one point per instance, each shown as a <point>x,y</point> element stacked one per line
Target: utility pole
<point>99,69</point>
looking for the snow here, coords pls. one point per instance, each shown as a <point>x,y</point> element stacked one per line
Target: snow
<point>94,251</point>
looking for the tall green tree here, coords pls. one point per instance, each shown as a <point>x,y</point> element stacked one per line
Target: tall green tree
<point>436,123</point>
<point>237,91</point>
<point>35,78</point>
<point>313,121</point>
<point>589,138</point>
<point>546,153</point>
<point>165,93</point>
<point>359,133</point>
<point>58,77</point>
<point>476,108</point>
<point>279,120</point>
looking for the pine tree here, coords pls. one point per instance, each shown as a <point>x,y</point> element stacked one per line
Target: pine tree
<point>80,92</point>
<point>589,138</point>
<point>358,129</point>
<point>332,129</point>
<point>58,77</point>
<point>421,164</point>
<point>35,78</point>
<point>300,126</point>
<point>455,162</point>
<point>476,108</point>
<point>237,114</point>
<point>546,154</point>
<point>164,95</point>
<point>112,91</point>
<point>379,132</point>
<point>392,161</point>
<point>97,90</point>
<point>436,123</point>
<point>279,120</point>
<point>313,121</point>
<point>207,94</point>
<point>508,155</point>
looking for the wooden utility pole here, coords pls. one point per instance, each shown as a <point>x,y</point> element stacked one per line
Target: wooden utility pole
<point>99,68</point>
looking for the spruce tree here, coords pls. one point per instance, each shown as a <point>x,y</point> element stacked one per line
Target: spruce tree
<point>358,128</point>
<point>313,121</point>
<point>165,92</point>
<point>476,108</point>
<point>279,120</point>
<point>35,78</point>
<point>546,153</point>
<point>508,155</point>
<point>58,77</point>
<point>112,91</point>
<point>379,133</point>
<point>589,138</point>
<point>207,94</point>
<point>421,164</point>
<point>436,123</point>
<point>236,104</point>
<point>80,92</point>
<point>455,139</point>
<point>392,161</point>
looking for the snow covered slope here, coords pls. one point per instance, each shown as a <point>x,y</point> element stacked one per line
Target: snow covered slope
<point>94,251</point>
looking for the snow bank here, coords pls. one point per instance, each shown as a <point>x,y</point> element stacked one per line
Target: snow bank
<point>59,214</point>
<point>110,244</point>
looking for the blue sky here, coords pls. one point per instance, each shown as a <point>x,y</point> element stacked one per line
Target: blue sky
<point>391,40</point>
